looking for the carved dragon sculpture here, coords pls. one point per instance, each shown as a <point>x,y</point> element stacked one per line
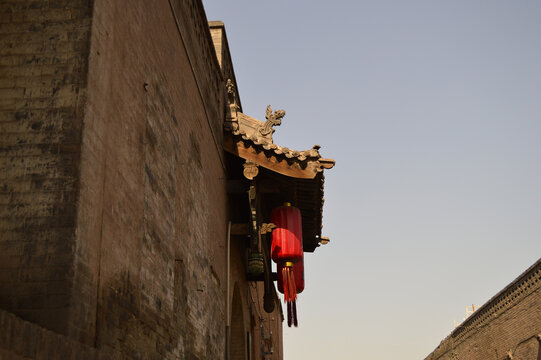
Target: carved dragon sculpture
<point>273,119</point>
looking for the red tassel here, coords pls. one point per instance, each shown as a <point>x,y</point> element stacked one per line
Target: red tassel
<point>294,306</point>
<point>289,314</point>
<point>284,280</point>
<point>290,291</point>
<point>293,291</point>
<point>290,295</point>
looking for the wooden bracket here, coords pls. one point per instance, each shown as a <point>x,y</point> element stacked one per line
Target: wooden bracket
<point>266,228</point>
<point>250,170</point>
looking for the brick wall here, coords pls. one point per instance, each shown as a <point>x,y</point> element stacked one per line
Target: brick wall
<point>239,315</point>
<point>21,339</point>
<point>266,328</point>
<point>201,54</point>
<point>152,216</point>
<point>221,45</point>
<point>113,204</point>
<point>507,327</point>
<point>43,66</point>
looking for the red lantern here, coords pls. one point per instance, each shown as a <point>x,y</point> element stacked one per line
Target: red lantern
<point>287,237</point>
<point>286,251</point>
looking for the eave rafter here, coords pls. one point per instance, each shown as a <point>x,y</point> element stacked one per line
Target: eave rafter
<point>275,159</point>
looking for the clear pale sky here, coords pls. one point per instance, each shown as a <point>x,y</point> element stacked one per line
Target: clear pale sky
<point>432,110</point>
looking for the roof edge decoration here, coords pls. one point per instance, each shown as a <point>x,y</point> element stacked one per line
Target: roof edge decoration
<point>251,139</point>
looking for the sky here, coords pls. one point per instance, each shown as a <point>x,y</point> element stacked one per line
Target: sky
<point>431,110</point>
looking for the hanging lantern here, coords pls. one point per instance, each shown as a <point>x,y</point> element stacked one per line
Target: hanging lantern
<point>286,251</point>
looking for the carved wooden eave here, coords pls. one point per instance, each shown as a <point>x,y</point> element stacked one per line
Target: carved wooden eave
<point>245,139</point>
<point>301,171</point>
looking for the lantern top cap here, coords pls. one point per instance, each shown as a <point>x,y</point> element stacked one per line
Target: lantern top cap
<point>287,203</point>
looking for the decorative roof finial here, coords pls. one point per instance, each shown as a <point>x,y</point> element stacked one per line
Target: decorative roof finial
<point>232,107</point>
<point>273,119</point>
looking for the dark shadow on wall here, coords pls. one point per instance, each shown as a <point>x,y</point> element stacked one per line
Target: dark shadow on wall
<point>131,325</point>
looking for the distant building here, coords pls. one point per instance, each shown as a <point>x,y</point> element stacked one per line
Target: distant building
<point>134,192</point>
<point>508,326</point>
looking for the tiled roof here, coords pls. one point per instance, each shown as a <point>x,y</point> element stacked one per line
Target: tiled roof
<point>299,171</point>
<point>251,132</point>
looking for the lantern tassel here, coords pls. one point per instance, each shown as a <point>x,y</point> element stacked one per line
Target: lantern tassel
<point>289,314</point>
<point>290,294</point>
<point>293,285</point>
<point>294,306</point>
<point>284,281</point>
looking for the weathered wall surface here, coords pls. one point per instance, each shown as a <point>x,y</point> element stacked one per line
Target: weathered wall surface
<point>113,204</point>
<point>113,197</point>
<point>152,220</point>
<point>239,317</point>
<point>248,318</point>
<point>266,328</point>
<point>43,68</point>
<point>21,339</point>
<point>223,55</point>
<point>506,327</point>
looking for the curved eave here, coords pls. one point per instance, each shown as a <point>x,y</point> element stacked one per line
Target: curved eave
<point>284,165</point>
<point>299,171</point>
